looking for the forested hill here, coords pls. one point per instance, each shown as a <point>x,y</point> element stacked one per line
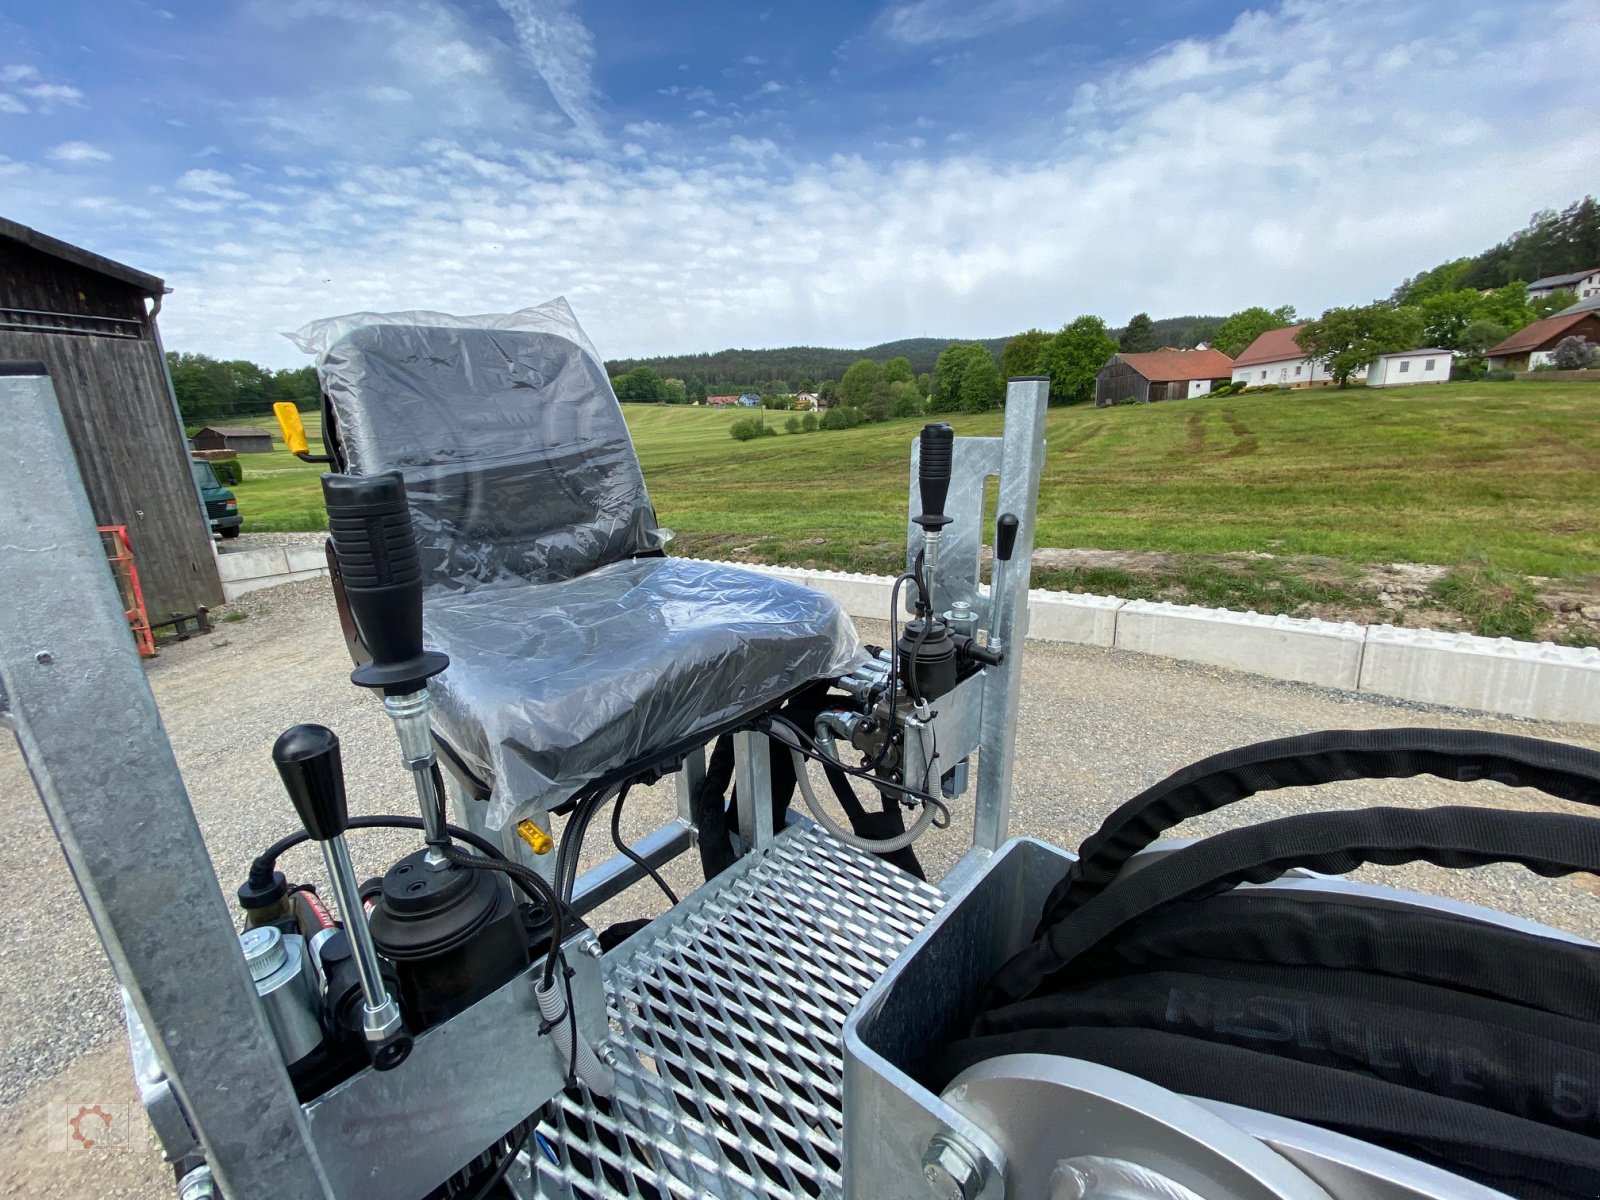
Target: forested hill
<point>731,369</point>
<point>741,368</point>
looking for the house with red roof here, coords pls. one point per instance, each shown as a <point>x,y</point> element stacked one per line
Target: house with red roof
<point>1534,345</point>
<point>1159,375</point>
<point>1275,360</point>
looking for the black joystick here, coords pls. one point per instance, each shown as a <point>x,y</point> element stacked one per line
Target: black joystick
<point>1005,536</point>
<point>308,761</point>
<point>933,474</point>
<point>370,524</point>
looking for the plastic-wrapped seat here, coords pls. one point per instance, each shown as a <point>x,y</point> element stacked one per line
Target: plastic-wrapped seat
<point>576,648</point>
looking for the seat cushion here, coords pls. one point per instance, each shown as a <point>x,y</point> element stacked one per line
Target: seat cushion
<point>551,686</point>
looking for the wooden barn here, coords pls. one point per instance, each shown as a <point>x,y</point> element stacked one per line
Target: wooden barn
<point>1159,375</point>
<point>91,322</point>
<point>243,439</point>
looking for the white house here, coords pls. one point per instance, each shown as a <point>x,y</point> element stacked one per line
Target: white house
<point>1408,367</point>
<point>1275,359</point>
<point>1585,283</point>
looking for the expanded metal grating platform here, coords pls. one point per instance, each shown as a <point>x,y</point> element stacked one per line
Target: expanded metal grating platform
<point>727,1016</point>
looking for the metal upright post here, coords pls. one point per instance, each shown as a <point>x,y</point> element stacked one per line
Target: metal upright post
<point>1022,462</point>
<point>752,779</point>
<point>72,688</point>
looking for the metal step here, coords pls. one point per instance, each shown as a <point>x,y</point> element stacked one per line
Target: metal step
<point>726,1018</point>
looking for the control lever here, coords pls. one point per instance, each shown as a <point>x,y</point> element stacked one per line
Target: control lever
<point>933,484</point>
<point>1005,542</point>
<point>369,521</point>
<point>307,758</point>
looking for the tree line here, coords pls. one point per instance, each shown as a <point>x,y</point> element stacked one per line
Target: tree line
<point>211,391</point>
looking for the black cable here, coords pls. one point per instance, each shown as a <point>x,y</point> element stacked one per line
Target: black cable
<point>267,860</point>
<point>533,885</point>
<point>628,851</point>
<point>567,855</point>
<point>519,1139</point>
<point>572,1018</point>
<point>925,606</point>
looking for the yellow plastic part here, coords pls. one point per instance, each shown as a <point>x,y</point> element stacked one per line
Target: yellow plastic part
<point>538,840</point>
<point>294,432</point>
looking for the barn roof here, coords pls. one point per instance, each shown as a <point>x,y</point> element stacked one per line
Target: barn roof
<point>236,430</point>
<point>1541,333</point>
<point>1175,366</point>
<point>148,285</point>
<point>1275,345</point>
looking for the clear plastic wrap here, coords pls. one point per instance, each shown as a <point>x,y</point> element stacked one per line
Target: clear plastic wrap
<point>552,686</point>
<point>571,655</point>
<point>516,457</point>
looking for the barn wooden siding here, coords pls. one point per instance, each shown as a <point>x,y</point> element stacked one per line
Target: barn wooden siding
<point>1117,381</point>
<point>93,333</point>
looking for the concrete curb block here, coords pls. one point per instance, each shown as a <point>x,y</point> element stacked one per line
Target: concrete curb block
<point>1325,653</point>
<point>1540,681</point>
<point>247,571</point>
<point>1524,679</point>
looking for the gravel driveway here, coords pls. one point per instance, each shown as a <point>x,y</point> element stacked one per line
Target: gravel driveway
<point>1097,726</point>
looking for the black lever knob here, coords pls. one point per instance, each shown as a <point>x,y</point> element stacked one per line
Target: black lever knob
<point>933,473</point>
<point>308,761</point>
<point>370,524</point>
<point>1005,536</point>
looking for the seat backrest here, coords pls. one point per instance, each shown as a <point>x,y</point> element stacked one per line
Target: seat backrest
<point>517,461</point>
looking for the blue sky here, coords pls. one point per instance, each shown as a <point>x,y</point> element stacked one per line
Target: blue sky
<point>697,175</point>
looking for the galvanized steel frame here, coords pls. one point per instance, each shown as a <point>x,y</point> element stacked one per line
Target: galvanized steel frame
<point>1017,457</point>
<point>87,724</point>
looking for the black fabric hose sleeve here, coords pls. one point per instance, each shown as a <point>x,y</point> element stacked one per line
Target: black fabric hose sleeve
<point>1461,755</point>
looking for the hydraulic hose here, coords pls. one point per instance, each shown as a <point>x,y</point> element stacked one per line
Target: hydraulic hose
<point>849,838</point>
<point>596,1075</point>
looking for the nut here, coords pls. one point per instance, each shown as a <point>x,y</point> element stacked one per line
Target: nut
<point>951,1168</point>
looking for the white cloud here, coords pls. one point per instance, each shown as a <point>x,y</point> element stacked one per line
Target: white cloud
<point>1283,161</point>
<point>925,22</point>
<point>48,95</point>
<point>769,87</point>
<point>203,181</point>
<point>561,49</point>
<point>18,73</point>
<point>79,152</point>
<point>10,104</point>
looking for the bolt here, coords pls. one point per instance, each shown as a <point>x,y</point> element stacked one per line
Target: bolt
<point>952,1168</point>
<point>44,658</point>
<point>606,1054</point>
<point>592,947</point>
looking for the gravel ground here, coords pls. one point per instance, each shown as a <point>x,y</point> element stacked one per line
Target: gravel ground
<point>1097,726</point>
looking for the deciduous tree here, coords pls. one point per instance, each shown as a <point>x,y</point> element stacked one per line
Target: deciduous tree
<point>1246,325</point>
<point>855,389</point>
<point>1073,357</point>
<point>1021,353</point>
<point>1345,340</point>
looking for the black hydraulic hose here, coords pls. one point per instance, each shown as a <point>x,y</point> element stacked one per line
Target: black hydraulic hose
<point>628,851</point>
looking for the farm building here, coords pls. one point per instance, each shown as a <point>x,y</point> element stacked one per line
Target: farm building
<point>722,401</point>
<point>92,323</point>
<point>1584,283</point>
<point>1534,345</point>
<point>1275,359</point>
<point>1159,375</point>
<point>1408,367</point>
<point>244,439</point>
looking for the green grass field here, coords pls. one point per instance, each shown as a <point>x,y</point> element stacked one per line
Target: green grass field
<point>1502,478</point>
